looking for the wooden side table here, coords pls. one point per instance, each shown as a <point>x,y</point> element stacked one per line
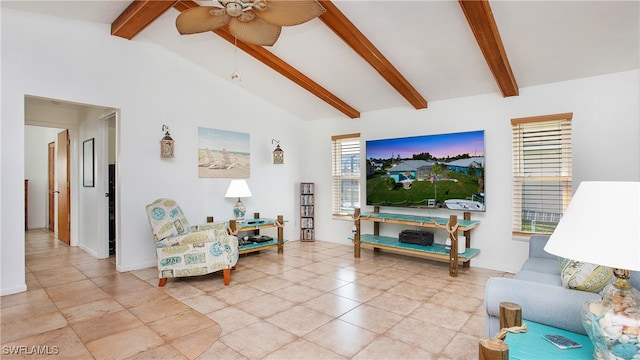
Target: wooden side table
<point>531,346</point>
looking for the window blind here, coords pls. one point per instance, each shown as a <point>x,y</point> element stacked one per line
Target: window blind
<point>542,179</point>
<point>345,173</point>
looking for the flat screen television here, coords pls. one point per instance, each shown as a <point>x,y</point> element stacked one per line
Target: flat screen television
<point>429,171</point>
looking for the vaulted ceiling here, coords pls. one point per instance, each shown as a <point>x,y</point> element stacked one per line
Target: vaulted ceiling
<point>371,55</point>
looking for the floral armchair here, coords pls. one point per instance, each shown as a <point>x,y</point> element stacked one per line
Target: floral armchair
<point>184,250</point>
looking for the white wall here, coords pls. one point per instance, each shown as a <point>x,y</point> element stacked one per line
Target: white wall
<point>606,146</point>
<point>80,62</point>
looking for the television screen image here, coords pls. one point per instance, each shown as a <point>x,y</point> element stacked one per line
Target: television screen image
<point>429,171</point>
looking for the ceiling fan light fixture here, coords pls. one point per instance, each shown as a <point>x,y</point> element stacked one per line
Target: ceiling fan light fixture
<point>250,21</point>
<point>234,8</point>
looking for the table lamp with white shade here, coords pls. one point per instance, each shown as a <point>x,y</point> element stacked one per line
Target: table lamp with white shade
<point>238,189</point>
<point>602,226</point>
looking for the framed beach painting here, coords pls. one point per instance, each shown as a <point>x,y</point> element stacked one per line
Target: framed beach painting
<point>223,154</point>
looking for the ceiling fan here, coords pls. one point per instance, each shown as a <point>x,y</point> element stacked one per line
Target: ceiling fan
<point>252,21</point>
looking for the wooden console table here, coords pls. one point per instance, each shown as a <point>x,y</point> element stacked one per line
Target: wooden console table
<point>255,225</point>
<point>435,251</point>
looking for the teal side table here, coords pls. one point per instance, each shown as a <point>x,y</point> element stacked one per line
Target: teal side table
<point>531,345</point>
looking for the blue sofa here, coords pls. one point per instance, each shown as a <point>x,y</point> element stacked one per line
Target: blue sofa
<point>537,288</point>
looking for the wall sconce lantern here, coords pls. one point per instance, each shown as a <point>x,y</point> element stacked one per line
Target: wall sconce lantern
<point>278,153</point>
<point>166,144</point>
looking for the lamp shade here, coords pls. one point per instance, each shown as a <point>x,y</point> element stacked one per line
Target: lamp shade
<point>601,225</point>
<point>238,189</point>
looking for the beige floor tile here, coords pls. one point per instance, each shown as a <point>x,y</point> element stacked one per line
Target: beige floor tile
<point>265,305</point>
<point>129,343</point>
<point>372,318</point>
<point>299,320</point>
<point>446,317</point>
<point>357,292</point>
<point>270,284</point>
<point>237,294</point>
<point>331,304</point>
<point>140,297</point>
<point>179,325</point>
<point>204,304</point>
<point>75,293</point>
<point>341,337</point>
<point>91,310</point>
<point>297,293</point>
<point>426,336</point>
<point>108,324</point>
<point>32,326</point>
<point>398,304</point>
<point>220,350</point>
<point>324,283</point>
<point>231,319</point>
<point>61,343</point>
<point>314,302</point>
<point>164,352</point>
<point>194,344</point>
<point>27,310</point>
<point>377,282</point>
<point>462,346</point>
<point>421,293</point>
<point>265,338</point>
<point>302,349</point>
<point>456,301</point>
<point>182,291</point>
<point>384,348</point>
<point>158,309</point>
<point>23,298</point>
<point>58,276</point>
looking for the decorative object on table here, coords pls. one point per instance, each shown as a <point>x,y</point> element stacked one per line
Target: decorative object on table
<point>223,154</point>
<point>184,250</point>
<point>166,144</point>
<point>602,226</point>
<point>238,189</point>
<point>278,153</point>
<point>255,22</point>
<point>418,237</point>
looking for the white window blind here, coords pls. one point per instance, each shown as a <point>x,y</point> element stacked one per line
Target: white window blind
<point>346,173</point>
<point>541,172</point>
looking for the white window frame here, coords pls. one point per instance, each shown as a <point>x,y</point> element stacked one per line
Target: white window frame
<point>345,160</point>
<point>542,174</point>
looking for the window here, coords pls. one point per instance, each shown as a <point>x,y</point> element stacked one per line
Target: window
<point>541,172</point>
<point>346,173</point>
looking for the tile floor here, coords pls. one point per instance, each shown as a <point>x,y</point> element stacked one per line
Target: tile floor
<point>314,302</point>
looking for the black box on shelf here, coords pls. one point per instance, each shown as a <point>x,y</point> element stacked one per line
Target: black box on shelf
<point>418,237</point>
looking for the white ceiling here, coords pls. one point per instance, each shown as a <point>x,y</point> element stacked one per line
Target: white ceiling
<point>429,42</point>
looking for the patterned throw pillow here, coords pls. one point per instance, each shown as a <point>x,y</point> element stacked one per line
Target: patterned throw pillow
<point>167,219</point>
<point>584,276</point>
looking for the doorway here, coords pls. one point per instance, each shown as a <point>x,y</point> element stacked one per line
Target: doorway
<point>87,205</point>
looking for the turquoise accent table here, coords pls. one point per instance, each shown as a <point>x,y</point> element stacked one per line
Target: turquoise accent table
<point>531,345</point>
<point>255,225</point>
<point>435,251</point>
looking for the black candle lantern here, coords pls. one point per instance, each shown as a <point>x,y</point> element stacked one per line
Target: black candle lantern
<point>166,144</point>
<point>278,153</point>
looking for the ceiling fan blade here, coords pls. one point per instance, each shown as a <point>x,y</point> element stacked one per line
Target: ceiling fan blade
<point>200,19</point>
<point>290,12</point>
<point>255,31</point>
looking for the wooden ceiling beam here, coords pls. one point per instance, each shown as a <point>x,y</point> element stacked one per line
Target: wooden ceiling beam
<point>137,16</point>
<point>279,65</point>
<point>349,33</point>
<point>482,23</point>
